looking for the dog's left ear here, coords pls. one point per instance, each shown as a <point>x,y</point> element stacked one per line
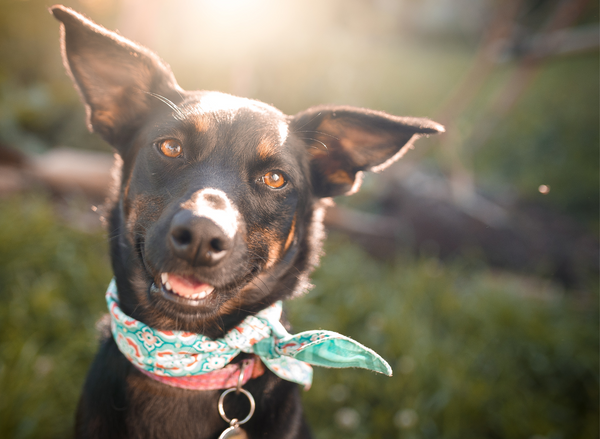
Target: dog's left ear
<point>344,141</point>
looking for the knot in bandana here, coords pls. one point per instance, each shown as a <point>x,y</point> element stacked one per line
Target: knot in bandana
<point>183,354</point>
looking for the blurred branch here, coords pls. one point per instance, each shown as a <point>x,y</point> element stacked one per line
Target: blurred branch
<point>552,41</point>
<point>66,169</point>
<point>564,42</point>
<point>368,224</point>
<point>484,63</point>
<point>63,170</point>
<point>501,42</point>
<point>448,210</point>
<point>460,180</point>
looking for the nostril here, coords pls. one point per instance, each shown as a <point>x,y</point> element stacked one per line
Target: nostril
<point>181,236</point>
<point>198,240</point>
<point>218,245</point>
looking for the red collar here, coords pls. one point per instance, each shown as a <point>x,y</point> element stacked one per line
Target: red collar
<point>224,378</point>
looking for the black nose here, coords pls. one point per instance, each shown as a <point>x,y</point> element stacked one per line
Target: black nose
<point>198,240</point>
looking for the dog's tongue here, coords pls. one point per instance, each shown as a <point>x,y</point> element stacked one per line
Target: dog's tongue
<point>188,287</point>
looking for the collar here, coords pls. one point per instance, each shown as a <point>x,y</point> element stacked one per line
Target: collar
<point>225,378</point>
<point>183,354</point>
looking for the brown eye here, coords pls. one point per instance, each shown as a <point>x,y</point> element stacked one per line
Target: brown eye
<point>170,148</point>
<point>274,179</point>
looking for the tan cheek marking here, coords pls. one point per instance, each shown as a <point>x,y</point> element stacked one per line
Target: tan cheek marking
<point>290,237</point>
<point>274,249</point>
<point>259,237</point>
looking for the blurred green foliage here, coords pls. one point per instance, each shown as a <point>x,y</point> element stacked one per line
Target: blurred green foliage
<point>475,353</point>
<point>51,282</point>
<point>551,137</point>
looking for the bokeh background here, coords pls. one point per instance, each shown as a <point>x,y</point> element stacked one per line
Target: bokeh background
<point>471,266</point>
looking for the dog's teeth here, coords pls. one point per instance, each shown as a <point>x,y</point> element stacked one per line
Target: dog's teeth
<point>167,285</point>
<point>164,277</point>
<point>202,295</point>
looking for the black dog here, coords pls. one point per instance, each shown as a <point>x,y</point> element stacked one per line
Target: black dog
<point>261,181</point>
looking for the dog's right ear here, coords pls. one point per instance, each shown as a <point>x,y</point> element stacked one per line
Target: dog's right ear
<point>118,80</point>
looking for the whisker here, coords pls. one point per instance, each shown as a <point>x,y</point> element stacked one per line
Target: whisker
<point>316,115</point>
<point>318,132</point>
<point>316,140</point>
<point>169,103</point>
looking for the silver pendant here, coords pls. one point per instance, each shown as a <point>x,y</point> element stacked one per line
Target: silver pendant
<point>234,432</point>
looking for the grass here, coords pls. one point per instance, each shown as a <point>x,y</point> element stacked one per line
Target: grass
<point>475,353</point>
<point>51,279</point>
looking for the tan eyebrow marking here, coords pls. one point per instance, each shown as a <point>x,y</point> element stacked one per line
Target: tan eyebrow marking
<point>266,149</point>
<point>201,123</point>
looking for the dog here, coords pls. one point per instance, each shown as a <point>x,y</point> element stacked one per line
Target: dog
<point>215,218</point>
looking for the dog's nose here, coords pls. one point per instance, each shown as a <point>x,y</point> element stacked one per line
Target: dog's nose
<point>198,240</point>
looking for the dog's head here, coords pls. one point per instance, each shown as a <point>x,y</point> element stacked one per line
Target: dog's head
<point>218,207</point>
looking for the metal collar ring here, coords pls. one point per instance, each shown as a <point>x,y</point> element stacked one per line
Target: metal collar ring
<point>248,395</point>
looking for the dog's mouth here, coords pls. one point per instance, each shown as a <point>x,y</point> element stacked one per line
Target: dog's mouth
<point>178,288</point>
<point>186,287</point>
<point>188,295</point>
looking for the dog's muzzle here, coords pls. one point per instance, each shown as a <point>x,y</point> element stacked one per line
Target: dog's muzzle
<point>198,240</point>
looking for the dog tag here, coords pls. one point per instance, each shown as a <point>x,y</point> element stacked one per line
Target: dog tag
<point>234,432</point>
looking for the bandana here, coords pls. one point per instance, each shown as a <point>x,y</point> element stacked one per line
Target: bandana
<point>186,354</point>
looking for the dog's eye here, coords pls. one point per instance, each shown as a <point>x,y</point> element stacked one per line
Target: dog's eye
<point>170,148</point>
<point>274,179</point>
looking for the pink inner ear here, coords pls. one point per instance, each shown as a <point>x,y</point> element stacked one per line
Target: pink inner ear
<point>364,148</point>
<point>355,140</point>
<point>360,148</point>
<point>112,87</point>
<point>113,74</point>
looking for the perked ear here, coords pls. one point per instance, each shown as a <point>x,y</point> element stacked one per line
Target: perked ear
<point>344,141</point>
<point>118,80</point>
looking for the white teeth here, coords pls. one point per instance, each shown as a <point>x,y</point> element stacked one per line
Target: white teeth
<point>164,277</point>
<point>202,294</point>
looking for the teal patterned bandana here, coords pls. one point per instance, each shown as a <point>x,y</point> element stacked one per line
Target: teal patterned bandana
<point>180,354</point>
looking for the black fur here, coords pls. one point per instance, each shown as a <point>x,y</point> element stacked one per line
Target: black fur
<point>230,145</point>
